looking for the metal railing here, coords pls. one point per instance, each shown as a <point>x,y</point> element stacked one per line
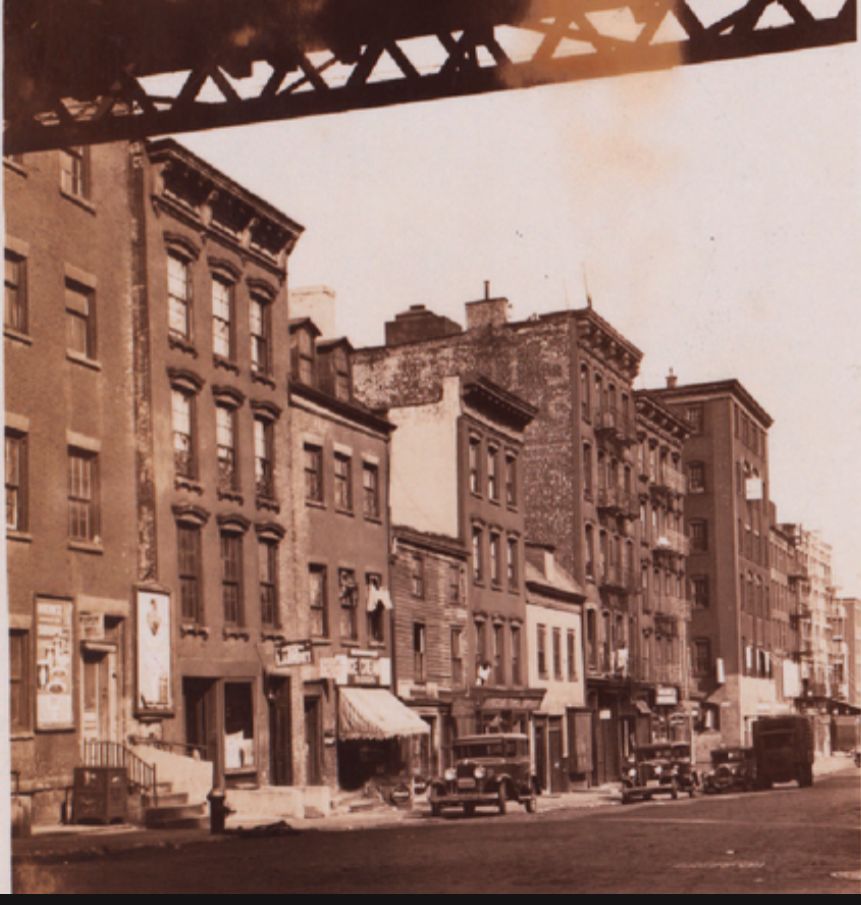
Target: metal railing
<point>141,775</point>
<point>197,751</point>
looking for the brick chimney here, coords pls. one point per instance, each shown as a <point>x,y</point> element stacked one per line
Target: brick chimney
<point>672,380</point>
<point>487,312</point>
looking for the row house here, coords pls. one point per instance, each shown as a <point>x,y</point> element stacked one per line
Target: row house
<point>728,517</point>
<point>562,727</point>
<point>785,611</point>
<point>580,467</point>
<point>69,463</point>
<point>659,637</point>
<point>353,729</point>
<point>459,597</point>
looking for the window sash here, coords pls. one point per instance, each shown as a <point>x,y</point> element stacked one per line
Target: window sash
<point>557,653</point>
<point>231,581</point>
<point>314,474</point>
<point>498,650</point>
<point>259,328</point>
<point>15,449</point>
<point>263,470</point>
<point>541,650</point>
<point>182,410</point>
<point>419,650</point>
<point>15,310</point>
<point>343,471</point>
<point>515,656</point>
<point>222,318</point>
<point>348,594</point>
<point>19,701</point>
<point>225,438</point>
<point>268,568</point>
<point>188,544</point>
<point>572,655</point>
<point>370,482</point>
<point>456,657</point>
<point>82,497</point>
<point>317,601</point>
<point>74,175</point>
<point>179,297</point>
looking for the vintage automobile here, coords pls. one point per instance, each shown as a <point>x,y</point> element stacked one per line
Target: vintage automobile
<point>733,770</point>
<point>660,769</point>
<point>488,770</point>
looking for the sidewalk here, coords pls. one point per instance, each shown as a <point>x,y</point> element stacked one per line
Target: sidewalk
<point>58,844</point>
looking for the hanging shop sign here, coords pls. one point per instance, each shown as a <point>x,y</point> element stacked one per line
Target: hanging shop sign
<point>358,668</point>
<point>54,665</point>
<point>666,696</point>
<point>299,653</point>
<point>154,652</point>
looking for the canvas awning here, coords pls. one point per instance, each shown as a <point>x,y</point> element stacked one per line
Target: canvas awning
<point>374,713</point>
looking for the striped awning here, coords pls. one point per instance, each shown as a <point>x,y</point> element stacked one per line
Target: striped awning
<point>374,713</point>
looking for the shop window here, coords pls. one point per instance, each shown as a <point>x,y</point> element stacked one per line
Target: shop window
<point>239,753</point>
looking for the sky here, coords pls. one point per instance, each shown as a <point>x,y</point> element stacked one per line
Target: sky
<point>713,211</point>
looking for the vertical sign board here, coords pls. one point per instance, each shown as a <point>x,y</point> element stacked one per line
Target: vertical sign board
<point>54,708</point>
<point>154,688</point>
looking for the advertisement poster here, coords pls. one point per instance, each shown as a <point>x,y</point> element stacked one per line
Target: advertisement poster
<point>54,665</point>
<point>154,690</point>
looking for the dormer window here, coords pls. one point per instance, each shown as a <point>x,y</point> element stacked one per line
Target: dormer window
<point>303,354</point>
<point>341,373</point>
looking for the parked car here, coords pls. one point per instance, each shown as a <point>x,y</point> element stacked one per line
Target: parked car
<point>733,769</point>
<point>660,769</point>
<point>489,770</point>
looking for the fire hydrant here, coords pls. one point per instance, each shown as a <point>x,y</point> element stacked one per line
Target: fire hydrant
<point>218,811</point>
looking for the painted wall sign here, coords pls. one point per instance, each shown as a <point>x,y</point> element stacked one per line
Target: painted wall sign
<point>154,650</point>
<point>357,670</point>
<point>54,665</point>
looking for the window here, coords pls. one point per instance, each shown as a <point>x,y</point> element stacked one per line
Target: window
<point>313,473</point>
<point>370,490</point>
<point>264,467</point>
<point>238,726</point>
<point>454,585</point>
<point>592,639</point>
<point>19,682</point>
<point>191,598</point>
<point>260,328</point>
<point>83,496</point>
<point>80,320</point>
<point>376,615</point>
<point>267,557</point>
<point>702,657</point>
<point>699,537</point>
<point>184,451</point>
<point>700,591</point>
<point>231,578</point>
<point>317,601</point>
<point>572,655</point>
<point>222,318</point>
<point>343,482</point>
<point>419,651</point>
<point>516,677</point>
<point>557,654</point>
<point>474,472</point>
<point>696,477</point>
<point>590,552</point>
<point>498,655</point>
<point>477,553</point>
<point>348,595</point>
<point>303,357</point>
<point>495,559</point>
<point>417,575</point>
<point>343,383</point>
<point>511,479</point>
<point>587,471</point>
<point>225,439</point>
<point>695,417</point>
<point>75,172</point>
<point>585,407</point>
<point>179,297</point>
<point>492,477</point>
<point>16,482</point>
<point>15,310</point>
<point>456,656</point>
<point>541,650</point>
<point>512,563</point>
<point>480,642</point>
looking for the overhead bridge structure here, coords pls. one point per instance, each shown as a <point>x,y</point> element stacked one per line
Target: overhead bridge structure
<point>88,71</point>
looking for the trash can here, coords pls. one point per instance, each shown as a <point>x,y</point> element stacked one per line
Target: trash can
<point>100,794</point>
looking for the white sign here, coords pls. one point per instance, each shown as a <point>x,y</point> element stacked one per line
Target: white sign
<point>299,654</point>
<point>54,665</point>
<point>754,488</point>
<point>154,689</point>
<point>666,695</point>
<point>352,670</point>
<point>91,626</point>
<point>605,714</point>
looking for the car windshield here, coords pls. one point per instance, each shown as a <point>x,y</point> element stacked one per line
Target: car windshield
<point>660,752</point>
<point>493,748</point>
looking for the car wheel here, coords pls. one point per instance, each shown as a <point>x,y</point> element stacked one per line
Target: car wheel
<point>531,805</point>
<point>503,799</point>
<point>436,809</point>
<point>626,799</point>
<point>674,790</point>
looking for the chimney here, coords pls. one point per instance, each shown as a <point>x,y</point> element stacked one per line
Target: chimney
<point>672,380</point>
<point>488,312</point>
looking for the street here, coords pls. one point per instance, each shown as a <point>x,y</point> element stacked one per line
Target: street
<point>788,840</point>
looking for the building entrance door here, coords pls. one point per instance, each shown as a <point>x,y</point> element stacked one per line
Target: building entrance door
<point>280,733</point>
<point>313,742</point>
<point>200,697</point>
<point>554,745</point>
<point>100,696</point>
<point>541,754</point>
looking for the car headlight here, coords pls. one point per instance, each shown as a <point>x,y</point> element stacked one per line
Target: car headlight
<point>632,773</point>
<point>450,775</point>
<point>480,772</point>
<point>658,770</point>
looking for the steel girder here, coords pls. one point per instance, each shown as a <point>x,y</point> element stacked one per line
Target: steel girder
<point>89,71</point>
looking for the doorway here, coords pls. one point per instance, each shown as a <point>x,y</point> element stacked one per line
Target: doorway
<point>313,742</point>
<point>100,695</point>
<point>201,718</point>
<point>280,733</point>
